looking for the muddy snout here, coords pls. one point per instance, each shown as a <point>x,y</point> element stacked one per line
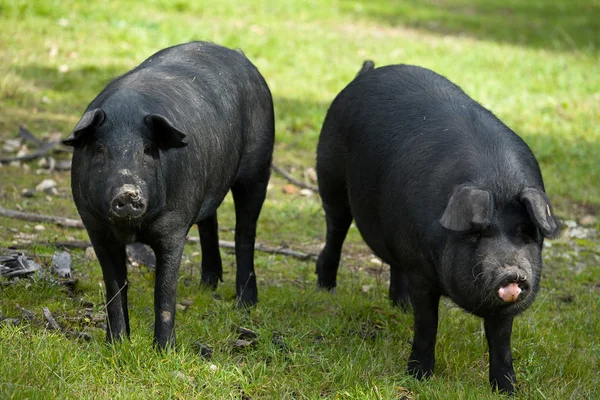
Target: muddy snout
<point>128,202</point>
<point>513,286</point>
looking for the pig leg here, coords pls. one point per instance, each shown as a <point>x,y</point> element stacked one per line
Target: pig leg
<point>498,330</point>
<point>338,220</point>
<point>248,196</point>
<point>168,259</point>
<point>212,267</point>
<point>338,217</point>
<point>111,256</point>
<point>425,301</point>
<point>399,288</point>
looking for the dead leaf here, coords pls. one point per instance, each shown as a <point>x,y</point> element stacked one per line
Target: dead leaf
<point>290,189</point>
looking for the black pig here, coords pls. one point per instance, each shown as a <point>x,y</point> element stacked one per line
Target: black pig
<point>443,192</point>
<point>156,152</point>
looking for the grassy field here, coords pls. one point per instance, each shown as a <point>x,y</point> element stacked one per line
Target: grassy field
<point>534,64</point>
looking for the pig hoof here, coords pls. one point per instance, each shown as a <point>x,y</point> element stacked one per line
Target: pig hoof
<point>210,282</point>
<point>505,386</point>
<point>246,302</point>
<point>416,369</point>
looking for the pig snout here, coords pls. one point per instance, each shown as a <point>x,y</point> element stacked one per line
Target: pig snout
<point>514,286</point>
<point>128,202</point>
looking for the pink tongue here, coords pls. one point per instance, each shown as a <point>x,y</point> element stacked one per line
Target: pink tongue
<point>509,293</point>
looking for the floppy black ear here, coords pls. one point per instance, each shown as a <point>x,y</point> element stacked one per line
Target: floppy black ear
<point>540,211</point>
<point>91,118</point>
<point>165,134</point>
<point>468,207</point>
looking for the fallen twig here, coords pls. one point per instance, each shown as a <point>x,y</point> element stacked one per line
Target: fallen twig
<point>78,244</point>
<point>264,248</point>
<point>48,315</point>
<point>73,223</point>
<point>293,180</point>
<point>61,221</point>
<point>43,149</point>
<point>25,134</point>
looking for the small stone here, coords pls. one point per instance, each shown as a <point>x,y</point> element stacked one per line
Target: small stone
<point>11,321</point>
<point>63,68</point>
<point>182,376</point>
<point>570,223</point>
<point>187,302</point>
<point>245,333</point>
<point>11,145</point>
<point>46,185</point>
<point>587,220</point>
<point>311,174</point>
<point>204,350</point>
<point>39,228</point>
<point>376,261</point>
<point>306,192</point>
<point>213,367</point>
<point>290,189</point>
<point>90,254</point>
<point>53,52</point>
<point>61,263</point>
<point>241,344</point>
<point>63,165</point>
<point>180,307</point>
<point>28,193</point>
<point>366,288</point>
<point>22,151</point>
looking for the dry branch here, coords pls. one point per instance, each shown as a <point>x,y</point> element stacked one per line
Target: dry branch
<point>62,221</point>
<point>293,180</point>
<point>44,149</point>
<point>73,223</point>
<point>48,315</point>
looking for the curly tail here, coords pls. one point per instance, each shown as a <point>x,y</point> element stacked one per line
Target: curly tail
<point>367,66</point>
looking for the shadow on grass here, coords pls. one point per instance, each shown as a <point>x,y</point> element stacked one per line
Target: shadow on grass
<point>82,82</point>
<point>564,25</point>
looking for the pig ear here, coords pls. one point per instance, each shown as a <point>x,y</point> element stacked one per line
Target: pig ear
<point>468,207</point>
<point>165,134</point>
<point>540,211</point>
<point>91,118</point>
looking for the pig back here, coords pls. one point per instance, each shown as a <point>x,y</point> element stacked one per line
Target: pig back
<point>221,102</point>
<point>410,136</point>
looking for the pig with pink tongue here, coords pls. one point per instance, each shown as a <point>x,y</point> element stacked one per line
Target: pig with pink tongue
<point>445,193</point>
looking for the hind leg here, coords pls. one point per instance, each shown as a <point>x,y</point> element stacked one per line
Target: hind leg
<point>338,222</point>
<point>248,196</point>
<point>338,216</point>
<point>212,266</point>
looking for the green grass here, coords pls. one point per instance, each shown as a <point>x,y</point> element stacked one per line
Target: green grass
<point>532,63</point>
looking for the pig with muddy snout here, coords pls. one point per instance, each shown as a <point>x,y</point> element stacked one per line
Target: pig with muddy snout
<point>442,191</point>
<point>155,153</point>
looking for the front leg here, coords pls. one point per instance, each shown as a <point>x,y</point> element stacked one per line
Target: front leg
<point>112,258</point>
<point>168,259</point>
<point>498,330</point>
<point>425,300</point>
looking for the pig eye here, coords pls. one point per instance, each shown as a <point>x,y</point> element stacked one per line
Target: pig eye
<point>526,230</point>
<point>148,149</point>
<point>98,148</point>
